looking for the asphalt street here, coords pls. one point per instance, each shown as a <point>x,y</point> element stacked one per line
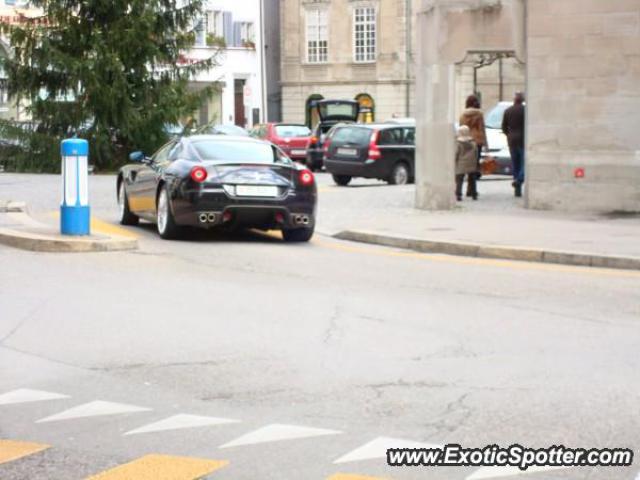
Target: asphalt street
<point>304,361</point>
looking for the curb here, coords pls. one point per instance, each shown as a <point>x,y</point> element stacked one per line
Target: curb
<point>35,237</point>
<point>491,251</point>
<point>40,242</point>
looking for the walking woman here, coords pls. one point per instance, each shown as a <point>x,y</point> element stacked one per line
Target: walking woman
<point>473,118</point>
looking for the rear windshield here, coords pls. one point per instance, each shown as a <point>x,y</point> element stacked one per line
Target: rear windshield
<point>223,130</point>
<point>239,152</point>
<point>353,135</point>
<point>494,117</point>
<point>292,131</point>
<point>339,110</point>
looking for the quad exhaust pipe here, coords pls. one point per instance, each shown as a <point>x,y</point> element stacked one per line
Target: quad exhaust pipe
<point>301,219</point>
<point>207,217</point>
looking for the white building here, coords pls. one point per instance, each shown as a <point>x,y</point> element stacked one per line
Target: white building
<point>232,28</point>
<point>11,12</point>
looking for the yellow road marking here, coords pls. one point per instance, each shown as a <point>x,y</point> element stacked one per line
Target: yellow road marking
<point>12,450</point>
<point>347,476</point>
<point>165,467</point>
<point>106,228</point>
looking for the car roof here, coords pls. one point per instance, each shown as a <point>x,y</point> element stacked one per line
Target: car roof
<point>379,126</point>
<point>222,138</point>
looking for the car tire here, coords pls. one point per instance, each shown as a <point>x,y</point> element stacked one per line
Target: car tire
<point>297,235</point>
<point>400,174</point>
<point>342,180</point>
<point>167,228</point>
<point>126,217</point>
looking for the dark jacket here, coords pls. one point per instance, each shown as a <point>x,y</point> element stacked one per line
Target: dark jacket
<point>513,125</point>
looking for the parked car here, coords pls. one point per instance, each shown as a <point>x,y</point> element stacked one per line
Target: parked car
<point>218,181</point>
<point>330,112</point>
<point>497,145</point>
<point>382,151</point>
<point>222,130</point>
<point>291,138</point>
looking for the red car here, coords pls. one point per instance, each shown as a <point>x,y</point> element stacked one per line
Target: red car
<point>290,137</point>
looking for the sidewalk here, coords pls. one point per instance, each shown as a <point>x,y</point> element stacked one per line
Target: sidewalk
<point>496,226</point>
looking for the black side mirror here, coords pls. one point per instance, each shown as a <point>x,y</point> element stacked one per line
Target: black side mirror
<point>137,157</point>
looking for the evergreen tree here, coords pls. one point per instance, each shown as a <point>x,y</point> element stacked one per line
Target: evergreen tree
<point>112,70</point>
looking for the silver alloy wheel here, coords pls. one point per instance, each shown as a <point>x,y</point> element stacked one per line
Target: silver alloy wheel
<point>400,175</point>
<point>121,200</point>
<point>163,211</point>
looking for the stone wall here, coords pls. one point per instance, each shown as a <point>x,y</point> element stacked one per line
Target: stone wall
<point>584,105</point>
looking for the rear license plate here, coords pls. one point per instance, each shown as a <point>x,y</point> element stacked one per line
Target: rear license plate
<point>351,152</point>
<point>256,191</point>
<point>298,152</point>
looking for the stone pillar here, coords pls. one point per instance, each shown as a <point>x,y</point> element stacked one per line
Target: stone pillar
<point>435,99</point>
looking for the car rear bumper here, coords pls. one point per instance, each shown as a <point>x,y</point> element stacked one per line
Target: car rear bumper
<point>214,208</point>
<point>368,169</point>
<point>297,156</point>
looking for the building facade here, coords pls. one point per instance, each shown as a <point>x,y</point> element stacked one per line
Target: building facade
<point>231,31</point>
<point>347,49</point>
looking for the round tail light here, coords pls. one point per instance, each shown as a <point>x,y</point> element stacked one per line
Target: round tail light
<point>306,177</point>
<point>198,174</point>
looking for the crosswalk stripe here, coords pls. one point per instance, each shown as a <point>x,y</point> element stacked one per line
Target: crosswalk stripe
<point>277,432</point>
<point>503,472</point>
<point>94,409</point>
<point>348,476</point>
<point>13,450</point>
<point>377,448</point>
<point>162,467</point>
<point>181,421</point>
<point>26,395</point>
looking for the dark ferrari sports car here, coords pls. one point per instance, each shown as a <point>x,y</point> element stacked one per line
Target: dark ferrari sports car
<point>218,181</point>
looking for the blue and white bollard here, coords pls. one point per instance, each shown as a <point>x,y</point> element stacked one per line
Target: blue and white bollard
<point>75,214</point>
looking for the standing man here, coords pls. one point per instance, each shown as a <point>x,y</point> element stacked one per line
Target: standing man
<point>513,128</point>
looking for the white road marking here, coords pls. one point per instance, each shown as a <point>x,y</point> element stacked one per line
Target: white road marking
<point>26,395</point>
<point>501,472</point>
<point>277,432</point>
<point>181,421</point>
<point>94,409</point>
<point>377,448</point>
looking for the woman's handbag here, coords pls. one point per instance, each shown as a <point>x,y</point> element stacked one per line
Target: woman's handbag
<point>488,166</point>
